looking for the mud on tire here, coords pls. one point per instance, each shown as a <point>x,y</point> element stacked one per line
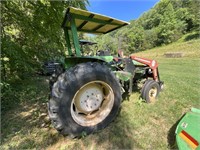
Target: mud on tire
<point>84,99</point>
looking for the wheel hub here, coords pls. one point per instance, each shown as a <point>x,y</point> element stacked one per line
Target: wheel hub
<point>90,99</point>
<point>152,94</point>
<point>92,103</point>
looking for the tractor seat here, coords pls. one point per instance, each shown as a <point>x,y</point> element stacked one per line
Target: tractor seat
<point>103,53</point>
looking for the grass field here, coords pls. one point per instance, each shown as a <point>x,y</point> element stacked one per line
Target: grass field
<point>138,125</point>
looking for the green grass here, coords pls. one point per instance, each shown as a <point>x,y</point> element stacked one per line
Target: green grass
<point>138,125</point>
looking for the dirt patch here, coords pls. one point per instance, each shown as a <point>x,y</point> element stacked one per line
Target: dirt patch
<point>174,54</point>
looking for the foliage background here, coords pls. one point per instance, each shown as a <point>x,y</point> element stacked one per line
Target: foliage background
<point>30,34</point>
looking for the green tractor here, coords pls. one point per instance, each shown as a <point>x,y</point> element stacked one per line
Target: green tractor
<point>86,96</point>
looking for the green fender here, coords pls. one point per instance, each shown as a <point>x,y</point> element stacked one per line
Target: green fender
<point>72,61</point>
<point>188,131</point>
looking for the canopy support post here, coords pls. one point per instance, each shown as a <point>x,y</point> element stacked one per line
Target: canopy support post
<point>75,36</point>
<point>66,31</point>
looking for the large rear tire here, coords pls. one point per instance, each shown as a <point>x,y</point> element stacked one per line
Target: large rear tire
<point>84,99</point>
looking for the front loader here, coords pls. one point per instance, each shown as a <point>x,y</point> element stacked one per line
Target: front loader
<point>87,95</point>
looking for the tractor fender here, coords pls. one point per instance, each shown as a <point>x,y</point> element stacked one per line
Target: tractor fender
<point>72,61</point>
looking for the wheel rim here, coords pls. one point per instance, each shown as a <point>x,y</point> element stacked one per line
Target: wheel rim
<point>92,103</point>
<point>152,94</point>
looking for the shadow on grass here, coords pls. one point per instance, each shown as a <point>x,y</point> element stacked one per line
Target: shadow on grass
<point>171,137</point>
<point>192,36</point>
<point>118,135</point>
<point>27,125</point>
<point>27,128</point>
<point>126,95</point>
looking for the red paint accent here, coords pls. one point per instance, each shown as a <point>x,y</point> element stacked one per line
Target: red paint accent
<point>155,75</point>
<point>190,138</point>
<point>121,53</point>
<point>149,63</point>
<point>116,59</point>
<point>145,61</point>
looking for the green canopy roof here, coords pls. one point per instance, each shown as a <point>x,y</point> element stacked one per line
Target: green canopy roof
<point>90,22</point>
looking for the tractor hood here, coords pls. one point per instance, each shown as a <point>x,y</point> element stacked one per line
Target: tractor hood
<point>90,22</point>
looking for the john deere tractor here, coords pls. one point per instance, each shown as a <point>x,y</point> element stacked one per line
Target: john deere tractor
<point>86,96</point>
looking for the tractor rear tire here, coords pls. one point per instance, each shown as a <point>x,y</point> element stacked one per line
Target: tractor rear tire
<point>84,99</point>
<point>59,69</point>
<point>150,91</point>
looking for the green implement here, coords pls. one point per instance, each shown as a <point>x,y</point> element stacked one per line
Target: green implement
<point>188,131</point>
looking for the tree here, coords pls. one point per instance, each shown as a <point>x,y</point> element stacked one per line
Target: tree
<point>31,33</point>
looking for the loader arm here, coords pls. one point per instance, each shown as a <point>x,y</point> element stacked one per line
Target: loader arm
<point>153,64</point>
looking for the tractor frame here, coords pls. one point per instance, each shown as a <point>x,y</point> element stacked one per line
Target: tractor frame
<point>73,108</point>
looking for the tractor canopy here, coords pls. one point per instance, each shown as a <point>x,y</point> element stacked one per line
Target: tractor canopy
<point>85,42</point>
<point>88,22</point>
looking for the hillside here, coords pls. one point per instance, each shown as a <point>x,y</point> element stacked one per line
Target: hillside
<point>165,23</point>
<point>138,126</point>
<point>189,49</point>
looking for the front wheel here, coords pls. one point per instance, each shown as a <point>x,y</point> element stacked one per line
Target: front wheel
<point>85,98</point>
<point>150,91</point>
